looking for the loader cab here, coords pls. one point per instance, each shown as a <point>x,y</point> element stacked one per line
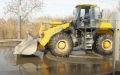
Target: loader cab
<point>79,15</point>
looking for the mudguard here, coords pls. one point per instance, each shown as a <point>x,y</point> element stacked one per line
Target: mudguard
<point>45,35</point>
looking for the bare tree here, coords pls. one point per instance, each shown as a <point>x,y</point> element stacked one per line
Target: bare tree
<point>118,6</point>
<point>28,7</point>
<point>106,13</point>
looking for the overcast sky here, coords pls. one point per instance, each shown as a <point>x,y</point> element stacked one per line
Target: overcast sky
<point>65,7</point>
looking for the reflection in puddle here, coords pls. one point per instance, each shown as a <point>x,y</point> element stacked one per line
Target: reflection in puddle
<point>32,65</point>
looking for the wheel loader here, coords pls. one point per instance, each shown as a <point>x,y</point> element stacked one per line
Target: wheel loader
<point>60,39</point>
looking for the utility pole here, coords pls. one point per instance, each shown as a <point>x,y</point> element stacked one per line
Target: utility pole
<point>19,19</point>
<point>116,25</point>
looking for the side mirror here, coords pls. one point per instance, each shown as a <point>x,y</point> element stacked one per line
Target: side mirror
<point>101,13</point>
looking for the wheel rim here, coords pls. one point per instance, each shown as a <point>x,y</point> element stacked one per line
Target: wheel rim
<point>107,44</point>
<point>62,67</point>
<point>62,45</point>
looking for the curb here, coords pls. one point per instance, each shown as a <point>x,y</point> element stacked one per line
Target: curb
<point>11,40</point>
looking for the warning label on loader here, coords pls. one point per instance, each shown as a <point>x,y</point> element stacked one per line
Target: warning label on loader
<point>56,30</point>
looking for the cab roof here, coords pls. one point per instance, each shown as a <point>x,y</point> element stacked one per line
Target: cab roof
<point>80,4</point>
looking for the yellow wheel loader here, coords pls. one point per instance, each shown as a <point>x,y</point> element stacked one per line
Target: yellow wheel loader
<point>60,39</point>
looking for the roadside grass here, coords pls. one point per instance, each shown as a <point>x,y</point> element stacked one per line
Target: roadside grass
<point>9,28</point>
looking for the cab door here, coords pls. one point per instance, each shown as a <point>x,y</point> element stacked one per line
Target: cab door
<point>94,15</point>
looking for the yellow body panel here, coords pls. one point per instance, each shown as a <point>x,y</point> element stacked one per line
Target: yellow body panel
<point>80,4</point>
<point>104,27</point>
<point>55,23</point>
<point>47,34</point>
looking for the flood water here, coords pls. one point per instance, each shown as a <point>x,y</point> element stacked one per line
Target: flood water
<point>32,65</point>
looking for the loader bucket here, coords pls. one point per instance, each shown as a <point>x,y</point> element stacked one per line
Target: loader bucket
<point>27,47</point>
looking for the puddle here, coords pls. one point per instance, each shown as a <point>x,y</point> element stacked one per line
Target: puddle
<point>32,65</point>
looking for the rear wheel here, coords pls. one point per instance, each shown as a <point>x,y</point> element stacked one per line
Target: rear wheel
<point>104,44</point>
<point>61,44</point>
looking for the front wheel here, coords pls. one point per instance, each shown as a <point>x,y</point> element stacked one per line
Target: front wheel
<point>104,44</point>
<point>61,44</point>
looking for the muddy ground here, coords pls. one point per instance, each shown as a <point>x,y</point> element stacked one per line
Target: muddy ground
<point>88,64</point>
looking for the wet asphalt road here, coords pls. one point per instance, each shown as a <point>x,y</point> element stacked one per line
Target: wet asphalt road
<point>32,65</point>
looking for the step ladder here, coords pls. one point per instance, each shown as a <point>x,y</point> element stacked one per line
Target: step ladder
<point>88,38</point>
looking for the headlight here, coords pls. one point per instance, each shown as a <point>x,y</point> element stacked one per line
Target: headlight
<point>88,35</point>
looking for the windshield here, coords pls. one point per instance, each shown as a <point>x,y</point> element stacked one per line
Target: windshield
<point>76,13</point>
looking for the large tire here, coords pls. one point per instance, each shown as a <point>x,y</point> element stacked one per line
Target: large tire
<point>47,46</point>
<point>104,44</point>
<point>56,45</point>
<point>94,44</point>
